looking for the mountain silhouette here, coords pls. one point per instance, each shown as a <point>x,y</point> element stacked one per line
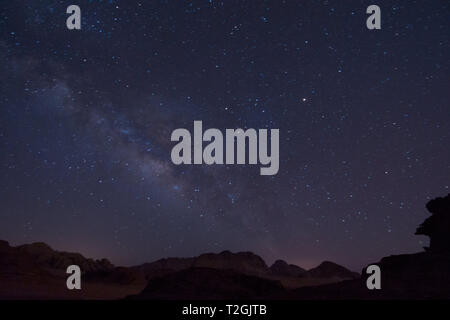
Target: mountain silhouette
<point>243,262</point>
<point>163,266</point>
<point>36,271</point>
<point>282,268</point>
<point>437,227</point>
<point>47,257</point>
<point>329,269</point>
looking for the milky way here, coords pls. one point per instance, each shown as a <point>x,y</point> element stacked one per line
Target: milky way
<point>86,118</point>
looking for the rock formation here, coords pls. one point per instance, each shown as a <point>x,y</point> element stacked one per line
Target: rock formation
<point>329,269</point>
<point>437,227</point>
<point>282,268</point>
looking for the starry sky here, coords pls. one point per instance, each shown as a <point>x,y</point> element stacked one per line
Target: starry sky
<point>86,118</point>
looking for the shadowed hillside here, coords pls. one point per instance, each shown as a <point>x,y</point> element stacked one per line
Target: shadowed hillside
<point>209,284</point>
<point>36,271</point>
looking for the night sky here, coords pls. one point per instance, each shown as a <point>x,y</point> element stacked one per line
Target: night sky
<point>86,118</point>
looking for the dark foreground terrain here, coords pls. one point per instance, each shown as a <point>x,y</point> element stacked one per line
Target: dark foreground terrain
<point>35,271</point>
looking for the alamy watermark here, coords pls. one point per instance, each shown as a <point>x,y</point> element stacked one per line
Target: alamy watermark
<point>235,140</point>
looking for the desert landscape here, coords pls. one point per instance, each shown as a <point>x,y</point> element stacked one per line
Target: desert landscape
<point>36,271</point>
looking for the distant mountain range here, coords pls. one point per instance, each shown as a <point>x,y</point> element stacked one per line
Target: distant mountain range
<point>245,263</point>
<point>36,271</point>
